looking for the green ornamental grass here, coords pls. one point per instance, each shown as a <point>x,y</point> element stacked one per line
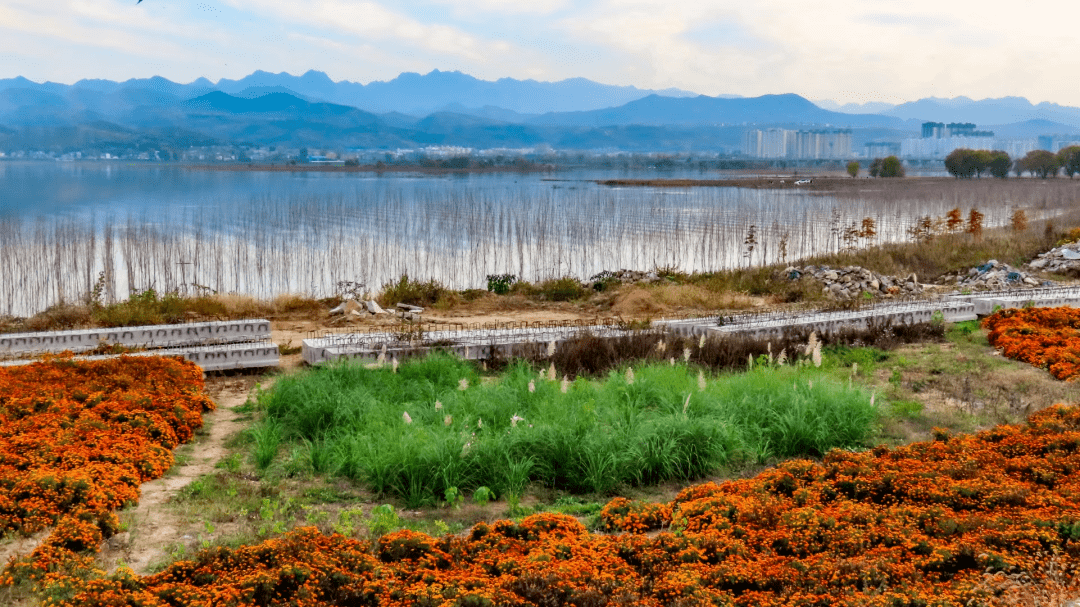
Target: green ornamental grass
<point>434,425</point>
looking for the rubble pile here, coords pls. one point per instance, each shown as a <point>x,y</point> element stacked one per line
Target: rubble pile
<point>853,281</point>
<point>995,275</point>
<point>1060,260</point>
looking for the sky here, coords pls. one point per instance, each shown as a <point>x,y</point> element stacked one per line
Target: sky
<point>854,51</point>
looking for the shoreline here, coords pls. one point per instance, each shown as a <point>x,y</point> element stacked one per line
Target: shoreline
<point>364,168</point>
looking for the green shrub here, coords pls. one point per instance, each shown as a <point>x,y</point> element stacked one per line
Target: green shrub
<point>413,292</point>
<point>566,288</point>
<point>141,308</point>
<point>500,283</point>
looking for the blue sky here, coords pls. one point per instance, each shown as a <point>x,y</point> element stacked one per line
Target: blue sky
<point>854,51</point>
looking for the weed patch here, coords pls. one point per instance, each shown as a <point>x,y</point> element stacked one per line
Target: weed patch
<point>433,426</point>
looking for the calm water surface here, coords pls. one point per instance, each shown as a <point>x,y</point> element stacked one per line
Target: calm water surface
<point>267,233</point>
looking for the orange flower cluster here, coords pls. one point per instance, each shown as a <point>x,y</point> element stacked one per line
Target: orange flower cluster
<point>918,525</point>
<point>621,514</point>
<point>77,438</point>
<point>1045,337</point>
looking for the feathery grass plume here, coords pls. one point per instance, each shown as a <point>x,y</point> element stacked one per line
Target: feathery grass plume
<point>701,381</point>
<point>872,397</point>
<point>532,386</point>
<point>381,360</point>
<point>463,384</point>
<point>686,355</point>
<point>551,348</point>
<point>479,422</point>
<point>393,364</point>
<point>405,416</point>
<point>483,365</point>
<point>750,362</point>
<point>672,361</point>
<point>661,346</point>
<point>701,341</point>
<point>438,405</point>
<point>551,372</point>
<point>782,358</point>
<point>565,384</point>
<point>768,348</point>
<point>515,419</point>
<point>816,355</point>
<point>449,419</point>
<point>630,375</point>
<point>811,343</point>
<point>542,375</point>
<point>686,405</point>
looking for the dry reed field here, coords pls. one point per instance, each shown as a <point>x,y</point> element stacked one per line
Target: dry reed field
<point>289,242</point>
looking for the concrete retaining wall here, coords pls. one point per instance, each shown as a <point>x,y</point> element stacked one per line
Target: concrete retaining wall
<point>159,336</point>
<point>219,357</point>
<point>768,326</point>
<point>469,344</point>
<point>481,344</point>
<point>985,302</point>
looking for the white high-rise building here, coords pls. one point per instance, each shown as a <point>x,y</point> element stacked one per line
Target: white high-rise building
<point>783,143</point>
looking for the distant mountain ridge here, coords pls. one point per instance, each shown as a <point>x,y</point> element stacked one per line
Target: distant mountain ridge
<point>452,108</point>
<point>984,112</point>
<point>412,93</point>
<point>787,109</point>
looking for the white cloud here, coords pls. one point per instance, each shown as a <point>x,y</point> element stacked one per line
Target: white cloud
<point>506,7</point>
<point>848,51</point>
<point>373,21</point>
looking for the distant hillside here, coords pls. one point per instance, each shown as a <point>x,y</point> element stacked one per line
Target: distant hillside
<point>417,94</point>
<point>1005,110</point>
<point>789,109</point>
<point>285,119</point>
<point>451,108</point>
<point>1029,129</point>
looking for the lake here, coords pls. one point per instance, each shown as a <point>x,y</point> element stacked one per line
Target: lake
<point>267,233</point>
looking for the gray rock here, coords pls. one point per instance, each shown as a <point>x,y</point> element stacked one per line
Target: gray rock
<point>346,306</point>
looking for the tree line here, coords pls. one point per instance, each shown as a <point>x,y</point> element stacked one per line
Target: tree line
<point>966,163</point>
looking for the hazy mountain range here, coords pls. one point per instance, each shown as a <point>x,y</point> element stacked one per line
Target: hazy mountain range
<point>456,109</point>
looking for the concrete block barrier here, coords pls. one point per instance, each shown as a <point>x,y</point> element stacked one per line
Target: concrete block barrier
<point>155,336</point>
<point>986,301</point>
<point>217,357</point>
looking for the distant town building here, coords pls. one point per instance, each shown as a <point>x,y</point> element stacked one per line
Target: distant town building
<point>1056,143</point>
<point>939,140</point>
<point>940,148</point>
<point>810,144</point>
<point>881,149</point>
<point>940,130</point>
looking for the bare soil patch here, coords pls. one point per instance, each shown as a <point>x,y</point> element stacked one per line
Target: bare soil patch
<point>151,527</point>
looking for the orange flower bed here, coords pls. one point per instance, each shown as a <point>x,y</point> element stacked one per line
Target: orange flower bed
<point>1045,337</point>
<point>77,438</point>
<point>920,525</point>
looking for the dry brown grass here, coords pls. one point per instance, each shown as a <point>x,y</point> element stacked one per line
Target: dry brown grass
<point>639,301</point>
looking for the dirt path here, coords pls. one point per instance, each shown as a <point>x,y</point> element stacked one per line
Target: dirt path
<point>152,527</point>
